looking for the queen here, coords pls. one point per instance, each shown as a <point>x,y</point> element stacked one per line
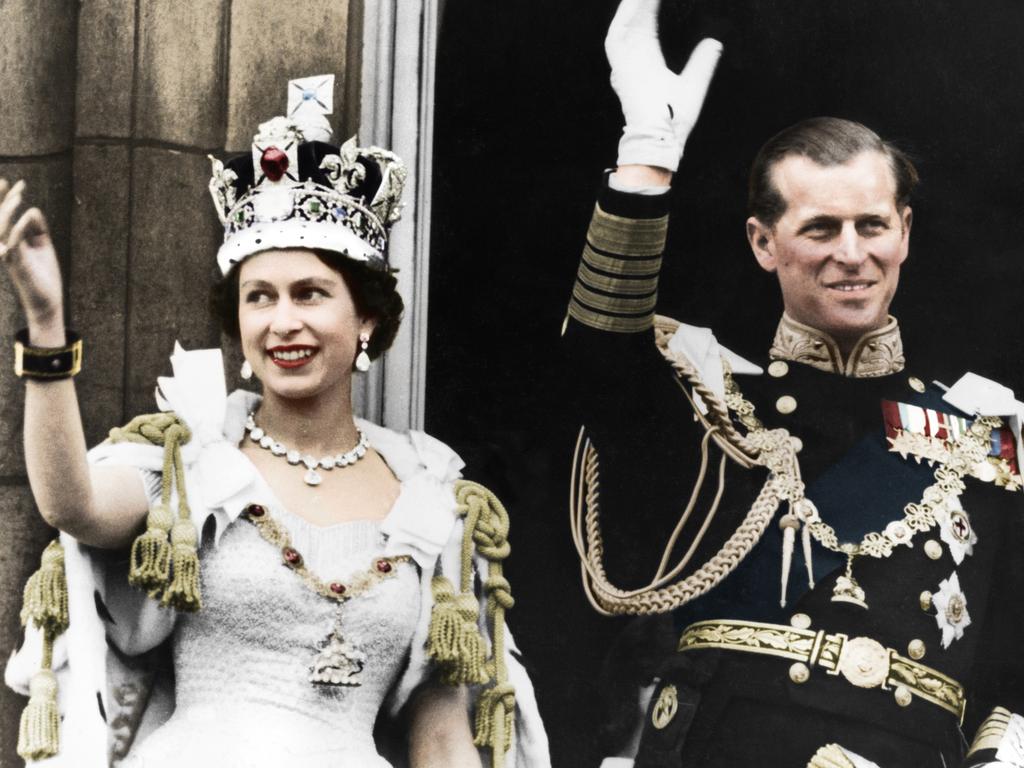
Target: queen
<point>246,580</point>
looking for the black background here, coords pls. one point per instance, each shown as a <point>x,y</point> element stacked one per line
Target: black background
<point>526,121</point>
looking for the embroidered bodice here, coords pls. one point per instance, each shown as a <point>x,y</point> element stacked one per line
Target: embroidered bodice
<point>242,663</point>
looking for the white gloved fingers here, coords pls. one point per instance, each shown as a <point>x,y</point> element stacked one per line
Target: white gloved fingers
<point>700,68</point>
<point>691,86</point>
<point>632,39</point>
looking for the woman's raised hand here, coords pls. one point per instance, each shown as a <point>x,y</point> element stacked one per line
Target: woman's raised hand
<point>660,107</point>
<point>31,261</point>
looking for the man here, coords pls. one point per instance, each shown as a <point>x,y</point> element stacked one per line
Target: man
<point>840,601</point>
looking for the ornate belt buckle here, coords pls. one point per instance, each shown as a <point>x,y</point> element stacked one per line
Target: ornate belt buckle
<point>864,662</point>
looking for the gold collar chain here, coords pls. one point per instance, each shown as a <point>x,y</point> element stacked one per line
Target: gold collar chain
<point>876,353</point>
<point>340,661</point>
<point>966,454</point>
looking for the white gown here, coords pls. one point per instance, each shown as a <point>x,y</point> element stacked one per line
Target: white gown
<point>241,664</point>
<point>242,696</point>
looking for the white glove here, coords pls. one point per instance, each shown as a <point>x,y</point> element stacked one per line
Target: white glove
<point>660,106</point>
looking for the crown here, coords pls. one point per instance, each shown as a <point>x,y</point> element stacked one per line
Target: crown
<point>296,190</point>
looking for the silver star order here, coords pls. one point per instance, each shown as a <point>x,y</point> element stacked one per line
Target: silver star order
<point>955,529</point>
<point>951,610</point>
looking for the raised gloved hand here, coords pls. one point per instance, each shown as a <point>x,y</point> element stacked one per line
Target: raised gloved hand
<point>660,107</point>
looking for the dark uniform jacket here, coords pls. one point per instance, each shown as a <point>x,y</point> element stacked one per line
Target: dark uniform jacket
<point>739,708</point>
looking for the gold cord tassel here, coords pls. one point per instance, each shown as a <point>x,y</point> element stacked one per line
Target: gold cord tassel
<point>454,641</point>
<point>46,593</point>
<point>495,716</point>
<point>39,732</point>
<point>150,566</point>
<point>183,591</point>
<point>166,569</point>
<point>486,529</point>
<point>46,606</point>
<point>442,642</point>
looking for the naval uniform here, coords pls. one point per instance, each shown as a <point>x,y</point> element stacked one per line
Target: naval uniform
<point>941,636</point>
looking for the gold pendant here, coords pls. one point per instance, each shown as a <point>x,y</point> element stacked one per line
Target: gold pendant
<point>847,590</point>
<point>338,663</point>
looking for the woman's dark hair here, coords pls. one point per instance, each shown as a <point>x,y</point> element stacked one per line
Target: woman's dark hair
<point>826,141</point>
<point>374,293</point>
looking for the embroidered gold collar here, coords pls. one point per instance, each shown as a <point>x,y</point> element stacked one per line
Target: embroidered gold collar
<point>876,353</point>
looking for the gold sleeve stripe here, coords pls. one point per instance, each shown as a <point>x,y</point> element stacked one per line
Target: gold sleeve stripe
<point>641,268</point>
<point>602,282</point>
<point>991,731</point>
<point>615,304</point>
<point>627,237</point>
<point>601,322</point>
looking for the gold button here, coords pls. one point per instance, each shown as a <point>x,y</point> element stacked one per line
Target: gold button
<point>933,549</point>
<point>785,404</point>
<point>799,673</point>
<point>916,384</point>
<point>798,444</point>
<point>778,369</point>
<point>916,649</point>
<point>665,707</point>
<point>800,621</point>
<point>926,600</point>
<point>903,696</point>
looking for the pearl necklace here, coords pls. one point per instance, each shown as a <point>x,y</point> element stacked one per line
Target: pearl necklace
<point>312,477</point>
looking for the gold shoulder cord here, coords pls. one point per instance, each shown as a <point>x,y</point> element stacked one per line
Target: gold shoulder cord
<point>771,449</point>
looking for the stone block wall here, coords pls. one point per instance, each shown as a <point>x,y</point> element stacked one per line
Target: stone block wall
<point>110,108</point>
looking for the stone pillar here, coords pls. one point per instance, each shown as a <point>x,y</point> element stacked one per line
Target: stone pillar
<point>37,92</point>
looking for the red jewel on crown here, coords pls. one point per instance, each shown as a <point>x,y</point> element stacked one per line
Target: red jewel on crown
<point>274,163</point>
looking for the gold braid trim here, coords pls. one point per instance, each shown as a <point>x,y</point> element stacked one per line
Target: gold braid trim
<point>771,449</point>
<point>164,558</point>
<point>990,733</point>
<point>830,756</point>
<point>46,606</point>
<point>617,281</point>
<point>455,642</point>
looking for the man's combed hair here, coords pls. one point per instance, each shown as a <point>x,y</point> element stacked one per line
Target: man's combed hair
<point>826,141</point>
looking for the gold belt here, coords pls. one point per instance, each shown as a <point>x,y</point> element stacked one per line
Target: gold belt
<point>864,662</point>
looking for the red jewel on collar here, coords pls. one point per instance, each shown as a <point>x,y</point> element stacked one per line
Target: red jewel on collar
<point>291,556</point>
<point>336,588</point>
<point>274,163</point>
<point>384,566</point>
<point>255,510</point>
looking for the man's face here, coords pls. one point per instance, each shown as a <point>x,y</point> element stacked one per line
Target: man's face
<point>838,247</point>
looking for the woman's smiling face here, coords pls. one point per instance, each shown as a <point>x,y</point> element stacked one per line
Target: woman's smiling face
<point>298,322</point>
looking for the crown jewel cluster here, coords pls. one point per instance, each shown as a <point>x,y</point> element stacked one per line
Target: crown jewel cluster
<point>280,200</point>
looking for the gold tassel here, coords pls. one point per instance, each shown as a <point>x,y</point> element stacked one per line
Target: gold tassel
<point>454,640</point>
<point>496,704</point>
<point>39,733</point>
<point>46,593</point>
<point>471,665</point>
<point>443,638</point>
<point>183,592</point>
<point>151,552</point>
